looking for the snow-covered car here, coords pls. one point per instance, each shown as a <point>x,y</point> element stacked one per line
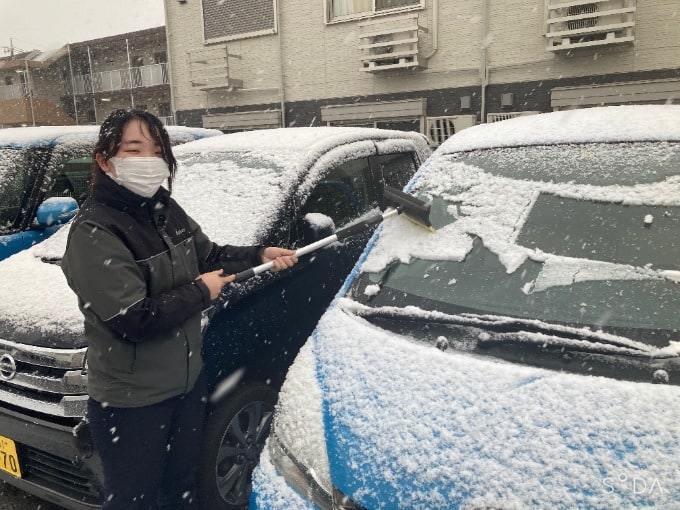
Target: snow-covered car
<point>44,174</point>
<point>524,355</point>
<point>285,187</point>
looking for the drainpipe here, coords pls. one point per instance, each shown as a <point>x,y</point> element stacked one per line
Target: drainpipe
<point>282,85</point>
<point>171,81</point>
<point>127,49</point>
<point>435,29</point>
<point>483,69</point>
<point>94,101</point>
<point>73,83</point>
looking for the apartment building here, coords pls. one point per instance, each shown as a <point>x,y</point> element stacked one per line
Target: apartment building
<point>435,66</point>
<point>81,83</point>
<point>27,93</point>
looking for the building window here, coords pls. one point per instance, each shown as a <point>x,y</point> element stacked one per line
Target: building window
<point>8,80</point>
<point>234,19</point>
<point>339,9</point>
<point>160,57</point>
<point>164,110</point>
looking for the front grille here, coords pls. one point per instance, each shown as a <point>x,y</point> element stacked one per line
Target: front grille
<point>43,380</point>
<point>61,475</point>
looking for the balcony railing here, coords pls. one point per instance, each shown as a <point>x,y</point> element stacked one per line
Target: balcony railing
<point>13,91</point>
<point>122,79</point>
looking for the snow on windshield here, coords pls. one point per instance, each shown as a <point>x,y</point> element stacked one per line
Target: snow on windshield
<point>235,196</point>
<point>495,207</point>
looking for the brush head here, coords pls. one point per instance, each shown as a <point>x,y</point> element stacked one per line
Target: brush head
<point>414,209</point>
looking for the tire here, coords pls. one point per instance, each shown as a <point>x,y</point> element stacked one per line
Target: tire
<point>234,436</point>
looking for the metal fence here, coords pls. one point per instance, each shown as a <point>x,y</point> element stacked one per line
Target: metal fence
<point>13,91</point>
<point>122,79</point>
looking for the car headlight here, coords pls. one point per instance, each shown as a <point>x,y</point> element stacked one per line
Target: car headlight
<point>297,447</point>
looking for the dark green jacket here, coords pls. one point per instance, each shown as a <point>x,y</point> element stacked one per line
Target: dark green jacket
<point>133,264</point>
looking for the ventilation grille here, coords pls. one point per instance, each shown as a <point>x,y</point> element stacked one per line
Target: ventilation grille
<point>439,129</point>
<point>59,474</point>
<point>578,10</point>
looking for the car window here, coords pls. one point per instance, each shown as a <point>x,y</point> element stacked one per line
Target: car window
<point>353,188</point>
<point>72,179</point>
<point>393,170</point>
<point>18,176</point>
<point>344,193</point>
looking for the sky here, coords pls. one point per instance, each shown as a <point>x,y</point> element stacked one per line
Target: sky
<point>50,24</point>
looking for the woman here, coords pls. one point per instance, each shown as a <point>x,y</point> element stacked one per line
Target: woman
<point>143,271</point>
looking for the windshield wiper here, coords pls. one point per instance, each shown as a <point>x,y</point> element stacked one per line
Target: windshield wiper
<point>528,342</point>
<point>512,329</point>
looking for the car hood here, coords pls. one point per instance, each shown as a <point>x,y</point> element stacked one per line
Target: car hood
<point>410,426</point>
<point>37,306</point>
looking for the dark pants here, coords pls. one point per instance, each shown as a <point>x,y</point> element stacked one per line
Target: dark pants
<point>150,454</point>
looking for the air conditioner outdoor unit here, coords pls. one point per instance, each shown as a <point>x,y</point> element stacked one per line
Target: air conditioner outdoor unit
<point>584,23</point>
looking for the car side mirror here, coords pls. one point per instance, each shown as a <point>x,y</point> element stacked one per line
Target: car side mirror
<point>56,211</point>
<point>316,226</point>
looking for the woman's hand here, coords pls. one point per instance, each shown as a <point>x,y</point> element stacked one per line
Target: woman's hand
<point>281,257</point>
<point>214,281</point>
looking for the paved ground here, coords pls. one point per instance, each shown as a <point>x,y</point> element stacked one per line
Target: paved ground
<point>14,499</point>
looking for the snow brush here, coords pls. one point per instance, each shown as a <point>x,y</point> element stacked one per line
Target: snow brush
<point>399,202</point>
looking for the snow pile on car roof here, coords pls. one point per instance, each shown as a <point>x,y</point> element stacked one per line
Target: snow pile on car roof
<point>607,124</point>
<point>47,135</point>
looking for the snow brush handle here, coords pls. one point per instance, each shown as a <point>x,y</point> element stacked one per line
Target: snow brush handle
<point>340,235</point>
<point>249,273</point>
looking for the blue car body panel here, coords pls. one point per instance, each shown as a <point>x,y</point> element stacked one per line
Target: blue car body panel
<point>12,243</point>
<point>477,430</point>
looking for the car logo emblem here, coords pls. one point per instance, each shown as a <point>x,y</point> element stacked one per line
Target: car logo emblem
<point>8,367</point>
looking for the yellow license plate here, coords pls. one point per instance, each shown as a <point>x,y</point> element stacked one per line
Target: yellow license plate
<point>9,460</point>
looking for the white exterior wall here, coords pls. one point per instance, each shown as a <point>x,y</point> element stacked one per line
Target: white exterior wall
<point>322,60</point>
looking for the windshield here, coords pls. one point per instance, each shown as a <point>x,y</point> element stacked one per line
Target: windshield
<point>235,196</point>
<point>583,235</point>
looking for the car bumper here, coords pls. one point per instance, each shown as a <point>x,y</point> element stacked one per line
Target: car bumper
<point>57,461</point>
<point>271,491</point>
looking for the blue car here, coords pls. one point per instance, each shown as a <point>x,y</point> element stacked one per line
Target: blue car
<point>44,174</point>
<point>523,355</point>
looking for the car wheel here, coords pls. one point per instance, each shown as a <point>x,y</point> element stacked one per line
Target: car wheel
<point>234,436</point>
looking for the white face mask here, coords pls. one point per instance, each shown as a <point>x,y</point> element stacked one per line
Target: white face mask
<point>142,176</point>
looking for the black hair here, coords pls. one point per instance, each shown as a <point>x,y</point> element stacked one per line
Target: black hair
<point>111,135</point>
